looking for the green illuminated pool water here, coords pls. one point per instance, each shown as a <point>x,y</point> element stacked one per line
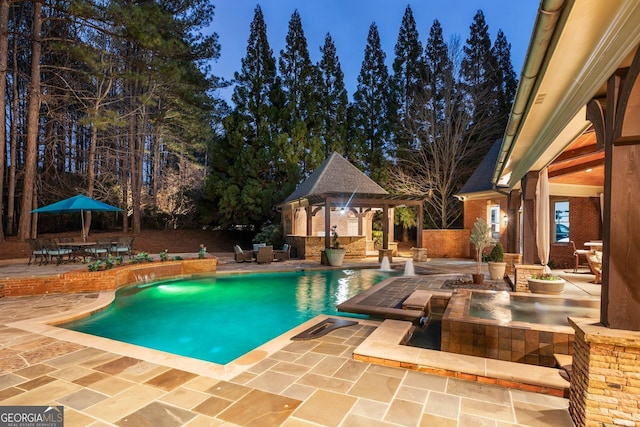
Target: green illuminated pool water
<point>222,317</point>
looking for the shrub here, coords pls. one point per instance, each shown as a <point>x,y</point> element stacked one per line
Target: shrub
<point>497,253</point>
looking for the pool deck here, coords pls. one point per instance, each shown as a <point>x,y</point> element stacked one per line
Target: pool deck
<point>291,383</point>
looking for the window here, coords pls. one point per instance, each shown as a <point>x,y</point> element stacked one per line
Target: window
<point>561,221</point>
<point>494,221</point>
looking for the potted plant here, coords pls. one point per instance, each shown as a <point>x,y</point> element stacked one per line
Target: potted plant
<point>480,238</point>
<point>545,283</point>
<point>497,266</point>
<point>335,254</point>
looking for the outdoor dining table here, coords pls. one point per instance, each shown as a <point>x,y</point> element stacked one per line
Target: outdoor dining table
<point>77,248</point>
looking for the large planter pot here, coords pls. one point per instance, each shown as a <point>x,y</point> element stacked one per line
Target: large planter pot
<point>549,287</point>
<point>335,256</point>
<point>497,269</point>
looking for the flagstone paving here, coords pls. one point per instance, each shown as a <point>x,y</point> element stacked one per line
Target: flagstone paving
<point>304,383</point>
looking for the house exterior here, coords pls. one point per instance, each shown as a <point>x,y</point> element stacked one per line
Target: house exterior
<point>576,119</point>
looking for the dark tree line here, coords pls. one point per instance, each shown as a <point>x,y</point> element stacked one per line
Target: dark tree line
<point>419,128</point>
<point>113,99</point>
<point>106,98</point>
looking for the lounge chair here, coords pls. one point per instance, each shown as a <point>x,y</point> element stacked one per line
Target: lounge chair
<point>283,254</point>
<point>264,255</point>
<point>242,256</point>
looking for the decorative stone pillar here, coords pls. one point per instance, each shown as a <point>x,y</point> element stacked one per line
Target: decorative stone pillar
<point>523,272</point>
<point>605,375</point>
<point>512,259</point>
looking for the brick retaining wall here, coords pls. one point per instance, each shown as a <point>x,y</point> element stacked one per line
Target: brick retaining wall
<point>106,280</point>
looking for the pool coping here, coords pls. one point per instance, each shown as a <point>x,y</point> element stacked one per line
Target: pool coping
<point>385,347</point>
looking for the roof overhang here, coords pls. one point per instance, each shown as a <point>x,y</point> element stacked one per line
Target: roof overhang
<point>576,46</point>
<point>356,200</point>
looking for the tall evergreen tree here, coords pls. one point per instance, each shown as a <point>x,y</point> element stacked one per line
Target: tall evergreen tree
<point>372,109</point>
<point>479,75</point>
<point>506,80</point>
<point>299,79</point>
<point>333,99</point>
<point>439,70</point>
<point>250,172</point>
<point>408,74</point>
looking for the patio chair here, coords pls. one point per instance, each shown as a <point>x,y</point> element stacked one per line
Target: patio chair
<point>37,251</point>
<point>101,248</point>
<point>53,250</point>
<point>283,254</point>
<point>122,245</point>
<point>242,256</point>
<point>264,255</point>
<point>576,255</point>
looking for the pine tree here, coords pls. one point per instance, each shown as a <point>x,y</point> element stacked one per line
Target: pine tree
<point>253,166</point>
<point>479,73</point>
<point>333,100</point>
<point>299,79</point>
<point>371,103</point>
<point>439,69</point>
<point>408,69</point>
<point>256,81</point>
<point>506,79</point>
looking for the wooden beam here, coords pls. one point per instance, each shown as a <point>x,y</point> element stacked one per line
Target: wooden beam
<point>576,154</point>
<point>577,168</point>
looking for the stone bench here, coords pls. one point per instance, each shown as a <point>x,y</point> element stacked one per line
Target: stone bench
<point>418,300</point>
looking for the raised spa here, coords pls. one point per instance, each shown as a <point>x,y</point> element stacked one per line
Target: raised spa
<point>516,327</point>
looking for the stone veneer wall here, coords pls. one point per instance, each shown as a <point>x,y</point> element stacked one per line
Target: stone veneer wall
<point>309,247</point>
<point>523,272</point>
<point>605,376</point>
<point>106,280</point>
<point>512,260</point>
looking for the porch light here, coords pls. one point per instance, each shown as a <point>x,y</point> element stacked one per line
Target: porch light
<point>505,219</point>
<point>342,210</point>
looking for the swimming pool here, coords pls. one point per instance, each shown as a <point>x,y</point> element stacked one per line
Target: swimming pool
<point>222,317</point>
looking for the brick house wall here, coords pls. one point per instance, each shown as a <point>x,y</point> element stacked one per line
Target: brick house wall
<point>585,224</point>
<point>584,219</point>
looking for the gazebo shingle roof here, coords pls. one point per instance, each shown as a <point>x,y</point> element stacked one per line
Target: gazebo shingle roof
<point>335,175</point>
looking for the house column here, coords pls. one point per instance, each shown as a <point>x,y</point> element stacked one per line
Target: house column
<point>514,201</point>
<point>604,389</point>
<point>529,249</point>
<point>620,307</point>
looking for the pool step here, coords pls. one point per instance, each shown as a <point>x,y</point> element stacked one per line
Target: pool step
<point>323,328</point>
<point>564,362</point>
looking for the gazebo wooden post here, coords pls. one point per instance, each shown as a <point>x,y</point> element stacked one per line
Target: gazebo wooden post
<point>327,223</point>
<point>385,226</point>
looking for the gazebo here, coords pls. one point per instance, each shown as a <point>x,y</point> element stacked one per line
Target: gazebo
<point>339,194</point>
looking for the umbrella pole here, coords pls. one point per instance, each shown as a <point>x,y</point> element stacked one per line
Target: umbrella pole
<point>84,235</point>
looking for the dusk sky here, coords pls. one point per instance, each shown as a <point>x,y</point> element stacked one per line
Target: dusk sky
<point>348,22</point>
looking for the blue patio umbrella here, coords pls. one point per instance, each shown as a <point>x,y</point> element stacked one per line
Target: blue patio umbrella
<point>79,203</point>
